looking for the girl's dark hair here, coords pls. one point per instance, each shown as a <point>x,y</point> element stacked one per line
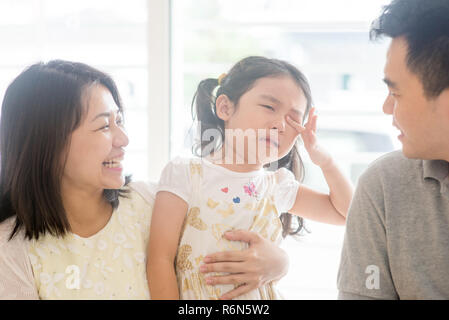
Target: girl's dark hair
<point>40,110</point>
<point>237,81</point>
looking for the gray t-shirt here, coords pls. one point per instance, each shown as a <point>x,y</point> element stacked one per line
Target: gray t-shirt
<point>396,244</point>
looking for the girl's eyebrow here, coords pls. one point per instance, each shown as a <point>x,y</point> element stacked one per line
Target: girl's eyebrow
<point>274,100</point>
<point>271,98</point>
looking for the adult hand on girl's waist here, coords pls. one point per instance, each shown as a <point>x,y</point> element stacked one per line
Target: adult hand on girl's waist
<point>249,269</point>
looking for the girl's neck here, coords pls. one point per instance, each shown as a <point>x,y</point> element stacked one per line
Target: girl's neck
<point>232,161</point>
<point>87,212</point>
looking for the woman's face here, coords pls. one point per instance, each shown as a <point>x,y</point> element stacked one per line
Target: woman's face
<point>96,147</point>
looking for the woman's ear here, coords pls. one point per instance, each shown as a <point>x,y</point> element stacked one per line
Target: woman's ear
<point>224,107</point>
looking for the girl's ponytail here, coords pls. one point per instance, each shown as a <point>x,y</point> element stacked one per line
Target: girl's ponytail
<point>296,166</point>
<point>293,162</point>
<point>203,110</point>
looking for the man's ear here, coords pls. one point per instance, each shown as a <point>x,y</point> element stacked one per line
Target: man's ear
<point>443,102</point>
<point>224,107</point>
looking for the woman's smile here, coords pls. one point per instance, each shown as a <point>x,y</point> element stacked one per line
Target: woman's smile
<point>115,162</point>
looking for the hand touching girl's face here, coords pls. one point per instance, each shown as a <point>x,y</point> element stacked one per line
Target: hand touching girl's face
<point>264,109</point>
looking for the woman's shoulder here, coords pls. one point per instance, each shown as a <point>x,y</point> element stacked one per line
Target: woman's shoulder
<point>136,206</point>
<point>6,228</point>
<point>145,190</point>
<point>11,249</point>
<point>14,245</point>
<point>16,276</point>
<point>138,199</point>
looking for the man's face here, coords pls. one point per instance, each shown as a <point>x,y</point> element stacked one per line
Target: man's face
<point>423,122</point>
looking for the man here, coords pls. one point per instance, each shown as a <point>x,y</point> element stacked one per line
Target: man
<point>397,236</point>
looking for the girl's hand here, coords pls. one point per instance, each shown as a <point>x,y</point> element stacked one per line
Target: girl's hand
<point>317,154</point>
<point>250,269</point>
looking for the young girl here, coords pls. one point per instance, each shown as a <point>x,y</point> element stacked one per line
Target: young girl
<point>229,187</point>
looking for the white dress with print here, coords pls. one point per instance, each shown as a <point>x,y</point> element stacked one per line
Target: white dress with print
<point>220,200</point>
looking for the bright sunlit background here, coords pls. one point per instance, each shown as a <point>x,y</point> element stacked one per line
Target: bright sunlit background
<point>159,50</point>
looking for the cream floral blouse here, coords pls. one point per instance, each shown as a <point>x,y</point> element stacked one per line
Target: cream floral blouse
<point>108,265</point>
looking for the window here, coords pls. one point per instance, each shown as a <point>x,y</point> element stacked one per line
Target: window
<point>110,35</point>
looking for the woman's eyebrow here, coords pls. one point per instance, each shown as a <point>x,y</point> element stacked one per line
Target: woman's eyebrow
<point>104,114</point>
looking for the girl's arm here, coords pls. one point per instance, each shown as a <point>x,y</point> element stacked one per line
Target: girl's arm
<point>317,206</point>
<point>169,212</point>
<point>328,208</point>
<point>340,188</point>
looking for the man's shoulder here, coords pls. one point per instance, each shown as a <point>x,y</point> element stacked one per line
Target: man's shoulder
<point>396,160</point>
<point>393,166</point>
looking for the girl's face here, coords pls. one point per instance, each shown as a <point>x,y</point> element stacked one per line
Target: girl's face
<point>263,109</point>
<point>96,147</point>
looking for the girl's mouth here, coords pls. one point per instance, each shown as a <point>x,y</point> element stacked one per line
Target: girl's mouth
<point>272,142</point>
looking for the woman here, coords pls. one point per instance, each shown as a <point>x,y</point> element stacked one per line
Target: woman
<point>71,224</point>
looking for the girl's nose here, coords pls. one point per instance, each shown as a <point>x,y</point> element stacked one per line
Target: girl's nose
<point>279,125</point>
<point>388,106</point>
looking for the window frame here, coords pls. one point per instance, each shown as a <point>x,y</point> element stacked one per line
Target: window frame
<point>159,86</point>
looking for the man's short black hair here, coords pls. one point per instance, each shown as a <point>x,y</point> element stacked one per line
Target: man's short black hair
<point>425,26</point>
